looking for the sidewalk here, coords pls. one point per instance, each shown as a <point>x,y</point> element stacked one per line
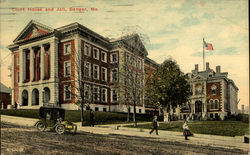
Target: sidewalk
<point>198,139</point>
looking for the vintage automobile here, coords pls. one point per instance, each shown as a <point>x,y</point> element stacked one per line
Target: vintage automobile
<point>53,119</point>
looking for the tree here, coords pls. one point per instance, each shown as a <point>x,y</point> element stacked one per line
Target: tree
<point>170,86</point>
<point>131,72</point>
<point>76,73</point>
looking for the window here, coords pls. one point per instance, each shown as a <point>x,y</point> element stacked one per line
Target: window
<point>216,104</point>
<point>114,58</point>
<point>18,60</point>
<point>114,75</point>
<point>139,110</point>
<point>104,94</point>
<point>18,76</point>
<point>127,58</point>
<point>104,74</point>
<point>96,53</point>
<point>96,72</point>
<point>67,68</point>
<point>87,69</point>
<point>87,50</point>
<point>87,92</point>
<point>96,93</point>
<point>213,89</point>
<point>139,64</point>
<point>132,60</point>
<point>198,90</point>
<point>67,49</point>
<point>96,109</point>
<point>104,57</point>
<point>114,96</point>
<point>211,116</point>
<point>211,104</point>
<point>104,109</point>
<point>67,92</point>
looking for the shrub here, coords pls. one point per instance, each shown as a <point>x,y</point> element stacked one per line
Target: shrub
<point>75,116</point>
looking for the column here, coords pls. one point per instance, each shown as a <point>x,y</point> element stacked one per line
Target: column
<point>77,64</point>
<point>13,80</point>
<point>54,59</point>
<point>54,71</point>
<point>21,73</point>
<point>42,62</point>
<point>32,64</point>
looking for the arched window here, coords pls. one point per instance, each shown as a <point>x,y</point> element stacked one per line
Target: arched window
<point>211,104</point>
<point>25,98</point>
<point>216,104</point>
<point>46,95</point>
<point>35,97</point>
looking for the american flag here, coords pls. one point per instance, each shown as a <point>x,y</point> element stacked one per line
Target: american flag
<point>208,46</point>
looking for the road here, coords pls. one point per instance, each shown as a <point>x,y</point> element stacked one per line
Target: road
<point>16,139</point>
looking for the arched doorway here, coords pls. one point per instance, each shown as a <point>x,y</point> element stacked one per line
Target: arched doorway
<point>46,95</point>
<point>198,110</point>
<point>25,98</point>
<point>35,97</point>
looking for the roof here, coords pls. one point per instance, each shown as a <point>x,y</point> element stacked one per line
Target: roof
<point>4,89</point>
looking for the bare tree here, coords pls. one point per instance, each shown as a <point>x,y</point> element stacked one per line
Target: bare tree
<point>78,71</point>
<point>131,73</point>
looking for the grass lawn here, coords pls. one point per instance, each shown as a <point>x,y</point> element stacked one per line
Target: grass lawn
<point>222,128</point>
<point>75,116</point>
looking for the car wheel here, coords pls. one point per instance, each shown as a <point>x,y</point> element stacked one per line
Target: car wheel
<point>60,129</point>
<point>40,126</point>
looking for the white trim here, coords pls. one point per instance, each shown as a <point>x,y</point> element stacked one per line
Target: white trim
<point>88,42</point>
<point>112,95</point>
<point>64,92</point>
<point>106,95</point>
<point>98,72</point>
<point>65,45</point>
<point>98,53</point>
<point>89,50</point>
<point>105,57</point>
<point>89,68</point>
<point>87,88</point>
<point>111,57</point>
<point>64,67</point>
<point>98,93</point>
<point>111,78</point>
<point>106,74</point>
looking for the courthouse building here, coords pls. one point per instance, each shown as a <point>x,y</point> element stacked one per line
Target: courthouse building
<point>215,96</point>
<point>45,67</point>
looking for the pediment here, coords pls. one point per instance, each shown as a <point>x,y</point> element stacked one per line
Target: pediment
<point>198,77</point>
<point>33,30</point>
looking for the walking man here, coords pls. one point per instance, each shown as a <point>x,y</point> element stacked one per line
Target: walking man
<point>91,118</point>
<point>155,125</point>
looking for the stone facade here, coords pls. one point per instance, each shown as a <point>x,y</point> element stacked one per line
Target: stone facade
<point>214,95</point>
<point>48,64</point>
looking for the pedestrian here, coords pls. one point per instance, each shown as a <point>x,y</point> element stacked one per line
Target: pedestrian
<point>186,131</point>
<point>155,125</point>
<point>91,118</point>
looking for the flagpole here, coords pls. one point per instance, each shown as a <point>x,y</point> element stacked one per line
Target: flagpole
<point>203,55</point>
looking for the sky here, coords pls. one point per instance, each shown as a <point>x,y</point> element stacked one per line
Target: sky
<point>174,29</point>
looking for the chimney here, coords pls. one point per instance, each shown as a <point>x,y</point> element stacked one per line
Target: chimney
<point>196,67</point>
<point>207,66</point>
<point>217,69</point>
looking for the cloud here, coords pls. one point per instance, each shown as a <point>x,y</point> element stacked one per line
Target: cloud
<point>208,15</point>
<point>190,21</point>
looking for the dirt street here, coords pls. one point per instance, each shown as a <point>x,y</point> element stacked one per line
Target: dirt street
<point>26,140</point>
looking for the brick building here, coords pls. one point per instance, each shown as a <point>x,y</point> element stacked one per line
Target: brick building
<point>5,98</point>
<point>45,67</point>
<point>215,96</point>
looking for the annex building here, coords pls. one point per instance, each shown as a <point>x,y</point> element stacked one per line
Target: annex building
<point>48,63</point>
<point>214,95</point>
